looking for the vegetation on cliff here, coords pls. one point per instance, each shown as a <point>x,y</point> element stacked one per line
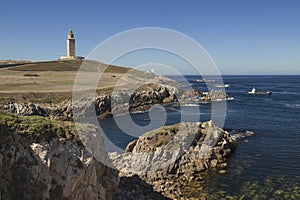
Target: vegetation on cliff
<point>38,128</point>
<point>37,161</point>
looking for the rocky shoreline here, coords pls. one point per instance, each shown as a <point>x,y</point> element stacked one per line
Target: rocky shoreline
<point>138,101</point>
<point>198,96</point>
<point>210,148</point>
<point>58,166</point>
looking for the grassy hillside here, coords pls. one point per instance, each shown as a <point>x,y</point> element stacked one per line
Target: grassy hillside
<point>53,81</point>
<point>64,65</point>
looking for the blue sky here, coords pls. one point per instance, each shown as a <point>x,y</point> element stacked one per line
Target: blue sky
<point>242,37</point>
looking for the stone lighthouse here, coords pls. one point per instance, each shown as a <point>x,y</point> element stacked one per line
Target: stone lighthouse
<point>71,44</point>
<point>71,53</point>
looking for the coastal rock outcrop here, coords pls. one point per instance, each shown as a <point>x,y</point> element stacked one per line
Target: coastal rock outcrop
<point>51,168</point>
<point>175,153</point>
<point>106,104</point>
<point>25,109</point>
<point>214,95</point>
<point>61,110</point>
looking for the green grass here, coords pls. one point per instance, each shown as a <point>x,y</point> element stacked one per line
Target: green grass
<point>36,97</point>
<point>36,127</point>
<point>49,66</point>
<point>165,129</point>
<point>3,88</point>
<point>52,81</point>
<point>67,65</point>
<point>65,82</point>
<point>161,142</point>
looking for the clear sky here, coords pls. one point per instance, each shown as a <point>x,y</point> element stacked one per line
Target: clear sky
<point>242,37</point>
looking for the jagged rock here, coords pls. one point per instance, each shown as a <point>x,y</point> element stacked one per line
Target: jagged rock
<point>214,162</point>
<point>51,170</point>
<point>156,155</point>
<point>118,102</point>
<point>214,95</point>
<point>25,109</point>
<point>133,187</point>
<point>222,171</point>
<point>130,146</point>
<point>249,133</point>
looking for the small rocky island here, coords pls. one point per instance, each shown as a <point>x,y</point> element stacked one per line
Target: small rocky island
<point>197,96</point>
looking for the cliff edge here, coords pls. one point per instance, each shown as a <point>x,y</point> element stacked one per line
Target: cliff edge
<point>44,159</point>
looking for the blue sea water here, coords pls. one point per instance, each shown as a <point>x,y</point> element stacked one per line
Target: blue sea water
<point>274,149</point>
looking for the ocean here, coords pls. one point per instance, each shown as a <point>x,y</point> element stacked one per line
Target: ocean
<point>265,165</point>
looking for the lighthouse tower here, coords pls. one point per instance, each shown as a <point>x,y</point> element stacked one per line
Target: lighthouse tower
<point>71,44</point>
<point>71,53</point>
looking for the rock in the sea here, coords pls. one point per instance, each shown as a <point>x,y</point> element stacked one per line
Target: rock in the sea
<point>222,171</point>
<point>249,133</point>
<point>213,95</point>
<point>179,152</point>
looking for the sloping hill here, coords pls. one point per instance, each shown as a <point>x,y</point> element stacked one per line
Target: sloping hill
<point>53,81</point>
<point>64,65</point>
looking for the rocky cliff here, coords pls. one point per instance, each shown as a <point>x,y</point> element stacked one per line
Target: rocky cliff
<point>171,157</point>
<point>44,159</point>
<point>140,100</point>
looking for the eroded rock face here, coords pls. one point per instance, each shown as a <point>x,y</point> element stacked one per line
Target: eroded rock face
<point>51,170</point>
<point>62,111</point>
<point>133,188</point>
<point>25,109</point>
<point>117,103</point>
<point>144,99</point>
<point>176,154</point>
